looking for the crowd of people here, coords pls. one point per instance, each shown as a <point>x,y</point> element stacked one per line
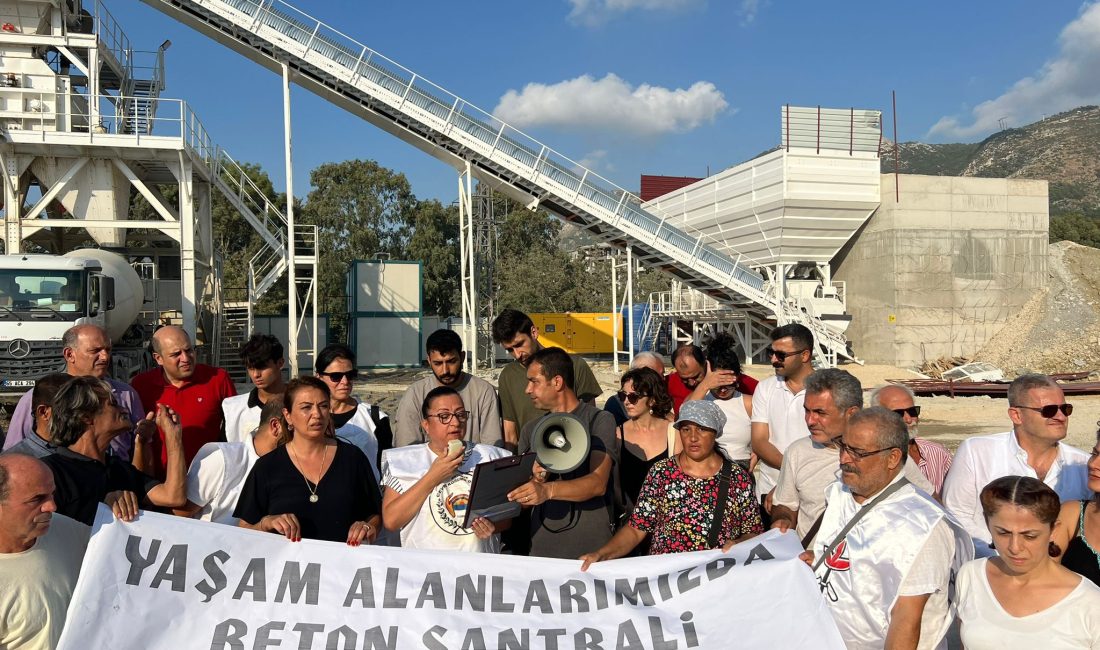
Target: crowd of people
<point>905,539</point>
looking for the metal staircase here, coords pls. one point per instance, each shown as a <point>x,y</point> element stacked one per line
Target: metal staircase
<point>444,125</point>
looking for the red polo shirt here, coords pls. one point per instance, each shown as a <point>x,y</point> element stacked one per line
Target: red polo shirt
<point>198,402</point>
<point>679,392</point>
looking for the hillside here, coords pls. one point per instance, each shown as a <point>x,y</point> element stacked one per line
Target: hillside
<point>1063,149</point>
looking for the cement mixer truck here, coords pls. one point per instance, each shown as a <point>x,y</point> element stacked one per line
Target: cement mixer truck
<point>41,296</point>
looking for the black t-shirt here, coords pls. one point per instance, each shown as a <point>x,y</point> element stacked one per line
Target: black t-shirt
<point>340,419</point>
<point>348,492</point>
<point>81,483</point>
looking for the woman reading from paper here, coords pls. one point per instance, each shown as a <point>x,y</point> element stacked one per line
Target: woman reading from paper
<point>1022,598</point>
<point>313,486</point>
<point>696,500</point>
<point>427,486</point>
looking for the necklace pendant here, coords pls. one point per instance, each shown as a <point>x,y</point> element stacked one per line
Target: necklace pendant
<point>313,498</point>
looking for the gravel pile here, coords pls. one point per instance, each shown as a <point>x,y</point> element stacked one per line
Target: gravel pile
<point>1058,330</point>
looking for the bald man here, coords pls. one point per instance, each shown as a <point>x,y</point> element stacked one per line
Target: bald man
<point>932,458</point>
<point>86,350</point>
<point>195,391</point>
<point>40,555</point>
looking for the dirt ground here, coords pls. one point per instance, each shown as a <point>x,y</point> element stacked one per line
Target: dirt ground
<point>944,419</point>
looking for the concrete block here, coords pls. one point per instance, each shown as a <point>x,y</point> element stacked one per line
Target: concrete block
<point>1028,187</point>
<point>985,202</point>
<point>969,185</point>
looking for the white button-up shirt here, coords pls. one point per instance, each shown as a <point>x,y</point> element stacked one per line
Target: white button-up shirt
<point>982,459</point>
<point>775,405</point>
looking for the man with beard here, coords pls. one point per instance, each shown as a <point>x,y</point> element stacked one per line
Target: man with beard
<point>87,353</point>
<point>193,390</point>
<point>262,355</point>
<point>445,357</point>
<point>932,458</point>
<point>689,365</point>
<point>810,464</point>
<point>40,555</point>
<point>778,417</point>
<point>514,331</point>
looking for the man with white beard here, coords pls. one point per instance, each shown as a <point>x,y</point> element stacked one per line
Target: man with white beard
<point>932,458</point>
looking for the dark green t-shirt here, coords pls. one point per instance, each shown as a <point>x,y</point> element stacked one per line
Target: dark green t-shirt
<point>516,406</point>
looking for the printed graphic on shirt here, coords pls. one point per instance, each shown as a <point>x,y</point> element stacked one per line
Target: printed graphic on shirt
<point>837,561</point>
<point>448,504</point>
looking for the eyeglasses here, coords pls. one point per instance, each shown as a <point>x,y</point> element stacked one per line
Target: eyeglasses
<point>630,397</point>
<point>1050,410</point>
<point>859,454</point>
<point>337,377</point>
<point>446,417</point>
<point>780,355</point>
<point>912,411</point>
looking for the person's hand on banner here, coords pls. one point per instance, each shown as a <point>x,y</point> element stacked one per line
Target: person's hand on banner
<point>286,525</point>
<point>362,531</point>
<point>123,503</point>
<point>807,557</point>
<point>589,558</point>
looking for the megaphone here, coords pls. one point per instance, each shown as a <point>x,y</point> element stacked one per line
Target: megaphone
<point>560,443</point>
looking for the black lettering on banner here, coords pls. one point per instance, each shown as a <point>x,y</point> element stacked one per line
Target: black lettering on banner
<point>507,640</point>
<point>390,599</point>
<point>657,635</point>
<point>296,581</point>
<point>685,582</point>
<point>571,592</point>
<point>173,569</point>
<point>374,638</point>
<point>263,635</point>
<point>599,587</point>
<point>254,581</point>
<point>690,636</point>
<point>537,597</point>
<point>431,638</point>
<point>627,637</point>
<point>550,637</point>
<point>759,552</point>
<point>664,587</point>
<point>432,591</point>
<point>588,639</point>
<point>474,640</point>
<point>499,606</point>
<point>343,633</point>
<point>720,567</point>
<point>361,589</point>
<point>229,633</point>
<point>216,582</point>
<point>138,562</point>
<point>465,590</point>
<point>638,593</point>
<point>306,632</point>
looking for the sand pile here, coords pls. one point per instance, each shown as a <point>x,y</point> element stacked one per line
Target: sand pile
<point>1058,330</point>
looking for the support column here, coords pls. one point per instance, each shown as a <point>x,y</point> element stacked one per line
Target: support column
<point>188,280</point>
<point>630,300</point>
<point>615,313</point>
<point>466,266</point>
<point>292,279</point>
<point>13,235</point>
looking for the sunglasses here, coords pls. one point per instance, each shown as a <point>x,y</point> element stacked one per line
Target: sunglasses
<point>859,454</point>
<point>780,355</point>
<point>629,397</point>
<point>1050,410</point>
<point>337,377</point>
<point>912,411</point>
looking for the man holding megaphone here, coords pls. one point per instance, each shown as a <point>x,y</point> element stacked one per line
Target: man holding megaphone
<point>570,491</point>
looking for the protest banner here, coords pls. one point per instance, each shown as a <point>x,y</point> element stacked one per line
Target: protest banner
<point>168,582</point>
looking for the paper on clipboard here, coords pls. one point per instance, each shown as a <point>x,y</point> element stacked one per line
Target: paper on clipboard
<point>492,482</point>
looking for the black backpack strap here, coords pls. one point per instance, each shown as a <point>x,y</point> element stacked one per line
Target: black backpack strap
<point>720,507</point>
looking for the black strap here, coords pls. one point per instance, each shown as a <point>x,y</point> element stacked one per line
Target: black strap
<point>375,413</point>
<point>859,515</point>
<point>812,532</point>
<point>720,507</point>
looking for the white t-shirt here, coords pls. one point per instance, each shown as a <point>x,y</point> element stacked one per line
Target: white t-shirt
<point>240,418</point>
<point>359,431</point>
<point>982,459</point>
<point>37,585</point>
<point>438,523</point>
<point>216,476</point>
<point>736,438</point>
<point>775,405</point>
<point>1073,622</point>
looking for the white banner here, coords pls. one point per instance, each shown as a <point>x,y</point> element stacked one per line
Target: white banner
<point>168,582</point>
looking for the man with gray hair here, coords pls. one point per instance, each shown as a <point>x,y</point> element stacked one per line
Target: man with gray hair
<point>932,458</point>
<point>86,351</point>
<point>887,552</point>
<point>809,467</point>
<point>1040,416</point>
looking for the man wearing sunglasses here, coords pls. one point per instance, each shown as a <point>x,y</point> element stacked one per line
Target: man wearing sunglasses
<point>1040,416</point>
<point>262,355</point>
<point>886,552</point>
<point>932,458</point>
<point>445,358</point>
<point>777,405</point>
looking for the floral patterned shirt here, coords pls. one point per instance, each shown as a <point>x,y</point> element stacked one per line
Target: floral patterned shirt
<point>677,509</point>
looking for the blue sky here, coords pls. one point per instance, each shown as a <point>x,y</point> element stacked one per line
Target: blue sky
<point>671,87</point>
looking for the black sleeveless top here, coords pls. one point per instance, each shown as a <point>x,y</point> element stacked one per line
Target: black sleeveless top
<point>633,470</point>
<point>1080,556</point>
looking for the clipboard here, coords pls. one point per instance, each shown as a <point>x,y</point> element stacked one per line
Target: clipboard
<point>492,482</point>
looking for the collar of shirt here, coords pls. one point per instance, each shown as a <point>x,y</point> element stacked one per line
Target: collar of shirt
<point>1021,454</point>
<point>254,399</point>
<point>870,498</point>
<point>781,383</point>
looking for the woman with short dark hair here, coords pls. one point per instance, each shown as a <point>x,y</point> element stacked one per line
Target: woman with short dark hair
<point>1022,598</point>
<point>644,437</point>
<point>313,486</point>
<point>356,422</point>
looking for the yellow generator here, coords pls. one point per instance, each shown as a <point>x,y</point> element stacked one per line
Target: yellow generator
<point>578,333</point>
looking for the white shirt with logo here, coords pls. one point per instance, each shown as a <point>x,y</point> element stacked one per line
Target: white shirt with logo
<point>438,523</point>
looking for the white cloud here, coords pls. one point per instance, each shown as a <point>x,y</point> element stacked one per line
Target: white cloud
<point>612,104</point>
<point>596,12</point>
<point>597,161</point>
<point>1067,81</point>
<point>749,9</point>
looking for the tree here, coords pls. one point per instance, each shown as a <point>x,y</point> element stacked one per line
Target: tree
<point>434,243</point>
<point>1075,228</point>
<point>361,209</point>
